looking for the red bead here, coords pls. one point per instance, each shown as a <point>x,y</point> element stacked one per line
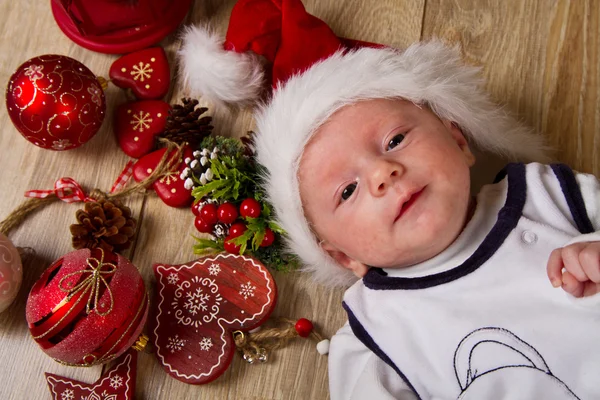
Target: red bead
<point>268,239</point>
<point>303,327</point>
<point>237,229</point>
<point>196,208</point>
<point>250,208</point>
<point>227,213</point>
<point>231,247</point>
<point>202,225</point>
<point>209,213</point>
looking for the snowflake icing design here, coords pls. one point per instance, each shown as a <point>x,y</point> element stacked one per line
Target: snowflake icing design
<point>141,71</point>
<point>95,92</point>
<point>247,290</point>
<point>116,382</point>
<point>61,144</point>
<point>214,269</point>
<point>196,301</point>
<point>168,178</point>
<point>34,72</point>
<point>141,121</point>
<point>175,344</point>
<point>67,395</point>
<point>205,344</point>
<point>172,279</point>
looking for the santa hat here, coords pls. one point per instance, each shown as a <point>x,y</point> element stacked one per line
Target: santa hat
<point>315,73</point>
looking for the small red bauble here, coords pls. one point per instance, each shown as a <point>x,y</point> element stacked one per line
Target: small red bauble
<point>87,308</point>
<point>303,327</point>
<point>250,208</point>
<point>237,229</point>
<point>209,213</point>
<point>55,102</point>
<point>227,213</point>
<point>196,208</point>
<point>268,239</point>
<point>231,247</point>
<point>202,225</point>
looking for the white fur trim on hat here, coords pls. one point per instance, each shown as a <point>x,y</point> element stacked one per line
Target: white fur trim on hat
<point>210,71</point>
<point>426,73</point>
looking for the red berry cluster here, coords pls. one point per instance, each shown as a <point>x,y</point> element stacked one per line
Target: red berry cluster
<point>208,215</point>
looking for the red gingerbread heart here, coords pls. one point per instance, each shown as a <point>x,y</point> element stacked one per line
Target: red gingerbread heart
<point>145,72</point>
<point>199,304</point>
<point>138,123</point>
<point>170,188</point>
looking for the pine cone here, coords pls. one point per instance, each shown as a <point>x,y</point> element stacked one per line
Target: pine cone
<point>185,125</point>
<point>106,224</point>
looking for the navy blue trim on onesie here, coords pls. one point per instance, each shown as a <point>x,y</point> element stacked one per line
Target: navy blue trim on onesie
<point>508,218</point>
<point>572,193</point>
<point>361,333</point>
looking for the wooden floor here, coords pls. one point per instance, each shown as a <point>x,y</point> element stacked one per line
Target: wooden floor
<point>541,58</point>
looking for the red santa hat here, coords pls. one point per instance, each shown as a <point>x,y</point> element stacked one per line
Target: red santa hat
<point>313,74</point>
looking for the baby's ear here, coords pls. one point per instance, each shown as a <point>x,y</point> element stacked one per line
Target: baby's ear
<point>359,269</point>
<point>461,140</point>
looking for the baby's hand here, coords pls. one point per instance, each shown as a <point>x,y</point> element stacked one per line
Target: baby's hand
<point>576,268</point>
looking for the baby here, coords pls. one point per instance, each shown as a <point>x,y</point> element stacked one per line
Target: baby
<point>367,153</point>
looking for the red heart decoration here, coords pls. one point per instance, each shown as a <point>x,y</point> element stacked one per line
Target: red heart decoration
<point>170,187</point>
<point>199,304</point>
<point>138,123</point>
<point>116,383</point>
<point>145,72</point>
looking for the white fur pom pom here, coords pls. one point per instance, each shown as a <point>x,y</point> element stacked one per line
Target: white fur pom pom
<point>210,71</point>
<point>323,347</point>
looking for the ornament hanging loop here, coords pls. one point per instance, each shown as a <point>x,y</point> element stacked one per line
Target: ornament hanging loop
<point>255,346</point>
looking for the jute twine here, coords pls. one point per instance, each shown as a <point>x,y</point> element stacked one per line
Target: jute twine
<point>256,345</point>
<point>168,164</point>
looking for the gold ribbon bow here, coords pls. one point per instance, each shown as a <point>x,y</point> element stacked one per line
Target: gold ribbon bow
<point>92,283</point>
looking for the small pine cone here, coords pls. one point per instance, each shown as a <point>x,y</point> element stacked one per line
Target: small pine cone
<point>106,224</point>
<point>185,125</point>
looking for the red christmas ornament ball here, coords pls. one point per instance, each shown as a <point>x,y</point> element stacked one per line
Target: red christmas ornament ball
<point>237,229</point>
<point>87,308</point>
<point>55,102</point>
<point>250,208</point>
<point>227,213</point>
<point>196,208</point>
<point>202,225</point>
<point>231,247</point>
<point>304,327</point>
<point>268,239</point>
<point>209,213</point>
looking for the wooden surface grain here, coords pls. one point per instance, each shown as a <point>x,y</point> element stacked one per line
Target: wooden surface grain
<point>541,58</point>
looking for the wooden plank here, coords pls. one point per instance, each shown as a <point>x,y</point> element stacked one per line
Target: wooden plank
<point>539,57</point>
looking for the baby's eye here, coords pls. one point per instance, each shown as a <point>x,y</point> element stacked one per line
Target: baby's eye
<point>348,190</point>
<point>395,141</point>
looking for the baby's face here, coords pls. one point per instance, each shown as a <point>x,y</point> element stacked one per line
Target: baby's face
<point>385,183</point>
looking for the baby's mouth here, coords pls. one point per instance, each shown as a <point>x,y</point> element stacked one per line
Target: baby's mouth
<point>408,203</point>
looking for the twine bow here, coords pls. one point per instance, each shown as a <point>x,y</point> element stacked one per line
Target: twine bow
<point>66,189</point>
<point>92,283</point>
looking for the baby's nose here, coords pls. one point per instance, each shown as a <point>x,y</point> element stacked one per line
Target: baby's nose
<point>384,176</point>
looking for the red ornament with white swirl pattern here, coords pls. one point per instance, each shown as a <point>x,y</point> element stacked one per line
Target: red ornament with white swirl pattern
<point>88,307</point>
<point>55,102</point>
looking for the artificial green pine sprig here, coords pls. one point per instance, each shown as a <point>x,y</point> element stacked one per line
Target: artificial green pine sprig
<point>234,177</point>
<point>232,180</point>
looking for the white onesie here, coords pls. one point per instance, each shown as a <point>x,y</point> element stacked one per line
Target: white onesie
<point>481,320</point>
